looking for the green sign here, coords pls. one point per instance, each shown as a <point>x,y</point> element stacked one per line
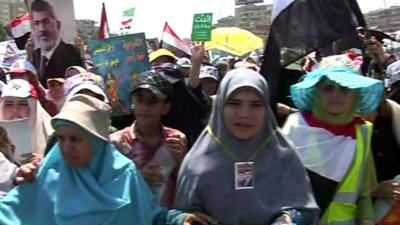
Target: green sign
<point>202,25</point>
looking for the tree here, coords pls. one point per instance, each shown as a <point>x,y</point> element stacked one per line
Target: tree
<point>3,33</point>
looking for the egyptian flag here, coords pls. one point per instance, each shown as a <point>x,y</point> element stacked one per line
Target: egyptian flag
<point>169,37</point>
<point>21,29</point>
<point>302,26</point>
<point>127,23</point>
<point>104,30</point>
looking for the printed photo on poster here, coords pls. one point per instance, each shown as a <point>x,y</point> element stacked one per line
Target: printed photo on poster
<point>120,60</point>
<point>52,55</point>
<point>244,175</point>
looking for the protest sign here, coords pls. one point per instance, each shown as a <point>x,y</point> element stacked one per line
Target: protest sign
<point>120,60</point>
<point>202,25</point>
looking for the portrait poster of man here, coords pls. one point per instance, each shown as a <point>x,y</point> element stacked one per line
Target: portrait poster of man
<point>53,54</point>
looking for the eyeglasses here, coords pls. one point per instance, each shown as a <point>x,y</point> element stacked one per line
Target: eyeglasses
<point>45,22</point>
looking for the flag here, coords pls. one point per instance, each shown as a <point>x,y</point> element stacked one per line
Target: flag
<point>170,38</point>
<point>129,12</point>
<point>127,23</point>
<point>20,25</point>
<point>302,26</point>
<point>104,29</point>
<point>128,18</point>
<point>20,28</point>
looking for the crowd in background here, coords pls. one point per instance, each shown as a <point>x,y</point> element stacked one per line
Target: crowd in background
<point>202,144</point>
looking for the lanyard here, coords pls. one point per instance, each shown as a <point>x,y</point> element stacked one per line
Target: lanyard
<point>233,156</point>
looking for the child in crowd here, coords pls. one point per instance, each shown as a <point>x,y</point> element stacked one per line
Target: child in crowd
<point>155,149</point>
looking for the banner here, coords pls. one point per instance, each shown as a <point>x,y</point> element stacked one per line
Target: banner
<point>202,25</point>
<point>120,60</point>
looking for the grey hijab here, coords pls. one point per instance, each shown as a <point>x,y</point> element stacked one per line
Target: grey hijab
<point>206,179</point>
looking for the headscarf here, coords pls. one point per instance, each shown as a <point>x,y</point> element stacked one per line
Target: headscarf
<point>108,190</point>
<point>206,180</point>
<point>39,124</point>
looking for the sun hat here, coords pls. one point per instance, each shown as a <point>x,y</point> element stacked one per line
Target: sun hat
<point>184,63</point>
<point>156,83</point>
<point>86,85</point>
<point>370,90</point>
<point>209,72</point>
<point>160,52</point>
<point>17,88</point>
<point>87,112</point>
<point>22,66</point>
<point>80,69</point>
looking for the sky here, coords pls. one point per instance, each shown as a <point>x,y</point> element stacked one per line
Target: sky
<point>150,15</point>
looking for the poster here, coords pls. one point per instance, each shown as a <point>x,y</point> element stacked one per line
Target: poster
<point>202,25</point>
<point>120,60</point>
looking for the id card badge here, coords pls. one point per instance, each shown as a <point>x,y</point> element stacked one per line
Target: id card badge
<point>244,175</point>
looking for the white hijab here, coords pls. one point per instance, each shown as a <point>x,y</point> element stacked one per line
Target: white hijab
<point>39,124</point>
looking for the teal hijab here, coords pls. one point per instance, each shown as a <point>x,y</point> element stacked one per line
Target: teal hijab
<point>108,190</point>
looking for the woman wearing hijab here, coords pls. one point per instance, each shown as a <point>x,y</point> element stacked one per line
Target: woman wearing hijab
<point>19,104</point>
<point>241,170</point>
<point>333,142</point>
<point>84,179</point>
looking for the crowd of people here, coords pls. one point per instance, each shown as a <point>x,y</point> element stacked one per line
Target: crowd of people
<point>202,145</point>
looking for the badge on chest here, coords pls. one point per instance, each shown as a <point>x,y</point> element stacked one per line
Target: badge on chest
<point>244,175</point>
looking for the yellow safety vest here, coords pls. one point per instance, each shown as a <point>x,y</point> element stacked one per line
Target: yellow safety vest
<point>342,210</point>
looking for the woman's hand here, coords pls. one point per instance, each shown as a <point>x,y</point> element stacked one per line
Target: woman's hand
<point>389,189</point>
<point>31,157</point>
<point>197,218</point>
<point>153,175</point>
<point>284,219</point>
<point>27,173</point>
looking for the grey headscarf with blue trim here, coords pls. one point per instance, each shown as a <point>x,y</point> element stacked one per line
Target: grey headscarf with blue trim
<point>206,180</point>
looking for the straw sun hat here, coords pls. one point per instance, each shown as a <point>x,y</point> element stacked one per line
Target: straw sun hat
<point>87,112</point>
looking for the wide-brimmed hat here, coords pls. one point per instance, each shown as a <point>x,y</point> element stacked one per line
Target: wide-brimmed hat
<point>87,85</point>
<point>370,90</point>
<point>87,112</point>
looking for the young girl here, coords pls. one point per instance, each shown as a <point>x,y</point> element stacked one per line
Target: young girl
<point>334,143</point>
<point>241,170</point>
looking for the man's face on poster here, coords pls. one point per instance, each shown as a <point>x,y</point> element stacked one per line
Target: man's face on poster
<point>46,29</point>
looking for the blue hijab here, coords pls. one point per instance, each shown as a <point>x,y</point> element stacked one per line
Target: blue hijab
<point>108,190</point>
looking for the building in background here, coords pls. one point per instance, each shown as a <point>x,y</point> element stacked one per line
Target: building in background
<point>387,20</point>
<point>229,21</point>
<point>254,18</point>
